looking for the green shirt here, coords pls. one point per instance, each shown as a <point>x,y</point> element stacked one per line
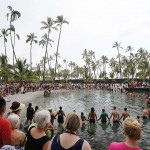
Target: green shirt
<point>103,116</point>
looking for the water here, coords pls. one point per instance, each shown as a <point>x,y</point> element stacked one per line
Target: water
<point>100,135</point>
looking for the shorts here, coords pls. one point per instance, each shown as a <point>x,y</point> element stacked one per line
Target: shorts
<point>92,120</point>
<point>144,117</point>
<point>115,121</point>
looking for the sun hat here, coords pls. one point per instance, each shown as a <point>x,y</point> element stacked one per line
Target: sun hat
<point>17,106</point>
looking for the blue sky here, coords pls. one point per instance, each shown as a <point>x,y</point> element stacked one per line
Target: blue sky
<point>93,25</point>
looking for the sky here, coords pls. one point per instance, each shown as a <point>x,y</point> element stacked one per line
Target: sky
<point>93,25</point>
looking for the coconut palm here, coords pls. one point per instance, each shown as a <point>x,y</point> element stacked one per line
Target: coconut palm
<point>59,21</point>
<point>104,61</point>
<point>4,33</point>
<point>31,38</point>
<point>13,15</point>
<point>48,25</point>
<point>118,46</point>
<point>5,68</point>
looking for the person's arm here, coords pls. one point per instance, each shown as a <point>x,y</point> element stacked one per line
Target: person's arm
<point>46,146</point>
<point>89,116</point>
<point>99,118</point>
<point>86,146</point>
<point>56,114</point>
<point>51,143</point>
<point>110,116</point>
<point>121,117</point>
<point>64,113</point>
<point>95,116</point>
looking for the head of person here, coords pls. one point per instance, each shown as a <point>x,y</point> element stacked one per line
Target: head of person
<point>103,110</point>
<point>60,108</point>
<point>114,107</point>
<point>8,147</point>
<point>42,119</point>
<point>82,113</point>
<point>2,106</point>
<point>132,129</point>
<point>72,122</point>
<point>142,107</point>
<point>14,120</point>
<point>138,117</point>
<point>16,107</point>
<point>36,107</point>
<point>30,104</point>
<point>50,110</point>
<point>125,109</point>
<point>92,109</point>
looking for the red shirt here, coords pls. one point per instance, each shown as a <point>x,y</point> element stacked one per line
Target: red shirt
<point>5,131</point>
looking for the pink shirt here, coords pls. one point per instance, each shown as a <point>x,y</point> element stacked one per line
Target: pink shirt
<point>120,146</point>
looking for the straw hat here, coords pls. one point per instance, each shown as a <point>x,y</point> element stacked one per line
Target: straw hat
<point>17,106</point>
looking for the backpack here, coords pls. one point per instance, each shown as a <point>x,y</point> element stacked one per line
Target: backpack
<point>60,117</point>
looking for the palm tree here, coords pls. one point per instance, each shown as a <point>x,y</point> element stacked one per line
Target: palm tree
<point>49,25</point>
<point>118,46</point>
<point>5,68</point>
<point>104,61</point>
<point>14,15</point>
<point>59,21</point>
<point>4,34</point>
<point>31,38</point>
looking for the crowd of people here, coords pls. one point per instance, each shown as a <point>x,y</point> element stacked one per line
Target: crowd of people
<point>37,132</point>
<point>40,133</point>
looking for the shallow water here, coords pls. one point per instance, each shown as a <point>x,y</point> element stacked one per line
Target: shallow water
<point>100,135</point>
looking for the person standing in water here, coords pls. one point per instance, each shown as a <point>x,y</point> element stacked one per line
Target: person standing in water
<point>115,115</point>
<point>52,116</point>
<point>103,116</point>
<point>92,116</point>
<point>61,115</point>
<point>125,114</point>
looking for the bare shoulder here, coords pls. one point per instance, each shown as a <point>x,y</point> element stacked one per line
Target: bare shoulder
<point>86,146</point>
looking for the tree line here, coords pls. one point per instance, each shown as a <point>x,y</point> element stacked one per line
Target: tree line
<point>130,66</point>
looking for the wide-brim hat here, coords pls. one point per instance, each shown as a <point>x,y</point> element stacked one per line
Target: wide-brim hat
<point>17,106</point>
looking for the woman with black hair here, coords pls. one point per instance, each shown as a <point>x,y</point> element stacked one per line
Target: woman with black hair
<point>92,115</point>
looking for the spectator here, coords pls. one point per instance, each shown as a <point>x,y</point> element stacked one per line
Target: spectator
<point>8,147</point>
<point>69,139</point>
<point>5,126</point>
<point>17,136</point>
<point>36,137</point>
<point>132,132</point>
<point>30,113</point>
<point>16,108</point>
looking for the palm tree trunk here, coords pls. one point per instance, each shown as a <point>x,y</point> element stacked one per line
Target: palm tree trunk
<point>5,46</point>
<point>14,55</point>
<point>57,51</point>
<point>45,55</point>
<point>31,56</point>
<point>119,62</point>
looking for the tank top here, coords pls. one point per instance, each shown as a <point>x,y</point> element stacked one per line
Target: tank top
<point>56,144</point>
<point>35,144</point>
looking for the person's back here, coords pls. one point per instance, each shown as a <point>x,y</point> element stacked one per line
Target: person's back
<point>104,116</point>
<point>36,141</point>
<point>121,146</point>
<point>36,137</point>
<point>70,140</point>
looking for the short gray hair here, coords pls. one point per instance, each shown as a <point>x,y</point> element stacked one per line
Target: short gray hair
<point>14,120</point>
<point>42,118</point>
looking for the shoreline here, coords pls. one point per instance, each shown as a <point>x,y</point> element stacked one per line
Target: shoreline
<point>27,97</point>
